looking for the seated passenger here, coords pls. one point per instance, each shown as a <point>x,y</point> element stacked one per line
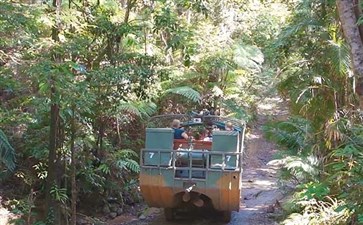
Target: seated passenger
<point>229,126</point>
<point>208,132</point>
<point>179,133</point>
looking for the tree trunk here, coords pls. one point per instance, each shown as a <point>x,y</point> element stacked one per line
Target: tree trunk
<point>347,15</point>
<point>73,171</point>
<point>53,207</point>
<point>358,13</point>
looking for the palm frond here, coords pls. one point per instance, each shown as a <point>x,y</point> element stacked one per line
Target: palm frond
<point>7,152</point>
<point>185,91</point>
<point>339,57</point>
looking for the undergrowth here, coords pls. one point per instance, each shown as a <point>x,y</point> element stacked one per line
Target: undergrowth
<point>326,170</point>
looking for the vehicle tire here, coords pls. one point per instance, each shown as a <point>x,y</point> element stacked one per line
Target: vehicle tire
<point>226,215</point>
<point>169,214</point>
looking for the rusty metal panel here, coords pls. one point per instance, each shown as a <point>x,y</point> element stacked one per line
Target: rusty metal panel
<point>154,188</point>
<point>228,187</point>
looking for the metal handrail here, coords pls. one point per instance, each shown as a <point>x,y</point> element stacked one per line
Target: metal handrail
<point>190,158</point>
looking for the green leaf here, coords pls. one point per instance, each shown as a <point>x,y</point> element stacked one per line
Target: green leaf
<point>104,168</point>
<point>248,57</point>
<point>185,91</point>
<point>7,153</point>
<point>141,108</point>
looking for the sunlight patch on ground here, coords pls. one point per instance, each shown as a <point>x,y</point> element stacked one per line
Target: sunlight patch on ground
<point>245,208</point>
<point>4,216</point>
<point>253,136</point>
<point>273,106</point>
<point>264,182</point>
<point>266,106</point>
<point>270,103</point>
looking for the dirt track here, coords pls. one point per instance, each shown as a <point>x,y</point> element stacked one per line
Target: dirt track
<point>260,193</point>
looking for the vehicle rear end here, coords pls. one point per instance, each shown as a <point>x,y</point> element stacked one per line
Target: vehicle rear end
<point>192,173</point>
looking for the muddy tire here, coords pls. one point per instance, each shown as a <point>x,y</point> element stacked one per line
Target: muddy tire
<point>226,216</point>
<point>169,214</point>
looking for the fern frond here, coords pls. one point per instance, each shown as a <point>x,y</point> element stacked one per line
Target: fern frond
<point>294,134</point>
<point>303,168</point>
<point>128,164</point>
<point>146,108</point>
<point>248,57</point>
<point>7,152</point>
<point>132,166</point>
<point>125,160</point>
<point>126,153</point>
<point>140,109</point>
<point>185,91</point>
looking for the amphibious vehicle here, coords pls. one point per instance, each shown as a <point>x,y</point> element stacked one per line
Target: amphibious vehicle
<point>199,172</point>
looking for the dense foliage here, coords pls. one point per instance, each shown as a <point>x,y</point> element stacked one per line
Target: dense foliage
<point>321,142</point>
<point>78,80</point>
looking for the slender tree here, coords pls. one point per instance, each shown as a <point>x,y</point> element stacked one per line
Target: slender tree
<point>73,170</point>
<point>53,208</point>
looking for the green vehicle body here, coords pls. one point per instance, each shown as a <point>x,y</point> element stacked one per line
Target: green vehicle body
<point>194,173</point>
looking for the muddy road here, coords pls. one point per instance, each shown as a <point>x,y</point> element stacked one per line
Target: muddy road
<point>261,196</point>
